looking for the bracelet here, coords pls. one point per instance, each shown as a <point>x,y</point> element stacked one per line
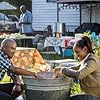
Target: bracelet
<point>18,84</point>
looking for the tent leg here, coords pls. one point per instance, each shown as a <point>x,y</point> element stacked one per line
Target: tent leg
<point>90,12</point>
<point>57,12</point>
<point>80,14</point>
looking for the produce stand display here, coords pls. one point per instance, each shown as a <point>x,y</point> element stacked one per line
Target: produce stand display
<point>17,36</point>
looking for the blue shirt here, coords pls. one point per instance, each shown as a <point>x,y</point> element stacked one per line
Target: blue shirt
<point>26,17</point>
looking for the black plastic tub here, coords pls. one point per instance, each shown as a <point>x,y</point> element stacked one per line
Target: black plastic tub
<point>47,89</point>
<point>84,97</point>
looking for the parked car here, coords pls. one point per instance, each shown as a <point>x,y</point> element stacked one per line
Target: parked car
<point>15,19</point>
<point>8,25</point>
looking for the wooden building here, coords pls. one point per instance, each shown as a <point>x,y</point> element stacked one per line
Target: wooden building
<point>45,12</point>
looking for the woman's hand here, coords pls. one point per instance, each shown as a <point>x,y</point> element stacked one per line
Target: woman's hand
<point>57,72</point>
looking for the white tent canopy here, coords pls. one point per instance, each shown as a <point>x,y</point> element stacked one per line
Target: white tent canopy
<point>7,6</point>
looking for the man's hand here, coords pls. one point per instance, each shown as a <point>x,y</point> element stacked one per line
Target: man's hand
<point>38,76</point>
<point>19,24</point>
<point>16,89</point>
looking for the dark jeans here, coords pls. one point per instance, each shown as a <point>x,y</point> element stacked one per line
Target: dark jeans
<point>5,96</point>
<point>6,90</point>
<point>27,42</point>
<point>37,38</point>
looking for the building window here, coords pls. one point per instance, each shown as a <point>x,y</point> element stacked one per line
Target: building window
<point>51,0</point>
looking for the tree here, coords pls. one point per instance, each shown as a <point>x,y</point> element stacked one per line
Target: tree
<point>18,3</point>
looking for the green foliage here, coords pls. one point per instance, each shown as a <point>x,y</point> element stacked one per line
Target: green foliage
<point>97,51</point>
<point>75,89</point>
<point>18,3</point>
<point>96,47</point>
<point>96,43</point>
